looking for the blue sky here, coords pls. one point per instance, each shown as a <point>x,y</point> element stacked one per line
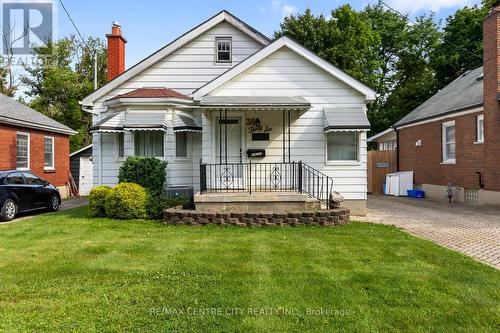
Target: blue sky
<point>150,24</point>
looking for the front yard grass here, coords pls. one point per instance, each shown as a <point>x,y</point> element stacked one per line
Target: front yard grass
<point>66,272</point>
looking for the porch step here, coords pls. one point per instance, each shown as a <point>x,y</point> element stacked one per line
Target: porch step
<point>257,202</point>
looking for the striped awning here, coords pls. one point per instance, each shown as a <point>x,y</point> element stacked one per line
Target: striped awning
<point>185,121</point>
<point>132,121</point>
<point>345,119</point>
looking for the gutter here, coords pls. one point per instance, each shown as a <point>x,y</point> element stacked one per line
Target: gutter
<point>444,114</point>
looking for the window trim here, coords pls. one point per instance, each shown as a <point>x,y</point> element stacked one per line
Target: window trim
<point>216,54</point>
<point>356,162</point>
<point>28,160</point>
<point>53,165</point>
<point>444,143</point>
<point>478,118</point>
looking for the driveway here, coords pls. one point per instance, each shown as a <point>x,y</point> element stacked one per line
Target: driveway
<point>65,204</point>
<point>472,230</point>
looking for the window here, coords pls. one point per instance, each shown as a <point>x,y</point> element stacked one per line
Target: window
<point>48,152</point>
<point>480,128</point>
<point>342,146</point>
<point>223,50</point>
<point>121,144</point>
<point>31,179</point>
<point>23,150</point>
<point>148,143</point>
<point>181,145</point>
<point>15,178</point>
<point>449,142</point>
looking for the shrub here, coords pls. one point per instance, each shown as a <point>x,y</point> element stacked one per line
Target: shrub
<point>149,172</point>
<point>126,201</point>
<point>97,201</point>
<point>156,204</point>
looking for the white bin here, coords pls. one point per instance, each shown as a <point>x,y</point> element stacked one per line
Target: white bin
<point>398,183</point>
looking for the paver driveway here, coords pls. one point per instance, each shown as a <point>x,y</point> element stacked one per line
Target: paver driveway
<point>472,230</point>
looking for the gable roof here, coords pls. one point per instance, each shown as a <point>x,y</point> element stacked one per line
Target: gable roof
<point>284,41</point>
<point>223,16</point>
<point>152,93</point>
<point>17,114</point>
<point>381,134</point>
<point>464,93</point>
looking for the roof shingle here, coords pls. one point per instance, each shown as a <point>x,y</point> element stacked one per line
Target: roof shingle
<point>465,92</point>
<point>14,113</point>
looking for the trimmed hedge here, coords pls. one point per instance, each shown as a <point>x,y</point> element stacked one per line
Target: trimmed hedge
<point>97,200</point>
<point>149,172</point>
<point>126,201</point>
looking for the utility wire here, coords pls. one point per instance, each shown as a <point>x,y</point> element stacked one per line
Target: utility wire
<point>84,42</point>
<point>74,24</point>
<point>444,40</point>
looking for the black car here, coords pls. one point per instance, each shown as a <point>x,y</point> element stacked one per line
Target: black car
<point>22,191</point>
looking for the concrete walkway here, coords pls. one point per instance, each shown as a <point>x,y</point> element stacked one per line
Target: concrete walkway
<point>65,204</point>
<point>472,230</point>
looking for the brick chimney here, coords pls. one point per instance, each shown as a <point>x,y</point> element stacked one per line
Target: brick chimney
<point>491,86</point>
<point>116,51</point>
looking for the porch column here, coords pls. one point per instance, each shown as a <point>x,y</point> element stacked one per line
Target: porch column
<point>286,134</point>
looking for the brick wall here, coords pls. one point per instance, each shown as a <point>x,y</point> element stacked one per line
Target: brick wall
<point>491,58</point>
<point>426,160</point>
<point>59,176</point>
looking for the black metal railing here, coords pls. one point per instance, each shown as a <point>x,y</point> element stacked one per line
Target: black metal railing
<point>266,177</point>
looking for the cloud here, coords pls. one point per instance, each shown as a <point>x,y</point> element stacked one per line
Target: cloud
<point>287,10</point>
<point>413,6</point>
<point>277,7</point>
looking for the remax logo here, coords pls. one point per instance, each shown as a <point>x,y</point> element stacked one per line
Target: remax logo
<point>26,24</point>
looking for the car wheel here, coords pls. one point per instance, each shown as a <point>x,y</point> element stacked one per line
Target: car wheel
<point>9,210</point>
<point>54,203</point>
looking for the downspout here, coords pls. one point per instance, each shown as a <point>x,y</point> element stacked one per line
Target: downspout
<point>397,148</point>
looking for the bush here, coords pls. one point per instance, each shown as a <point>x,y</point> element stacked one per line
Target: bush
<point>156,204</point>
<point>126,201</point>
<point>97,201</point>
<point>149,172</point>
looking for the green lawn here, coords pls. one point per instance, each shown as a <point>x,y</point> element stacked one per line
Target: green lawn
<point>66,272</point>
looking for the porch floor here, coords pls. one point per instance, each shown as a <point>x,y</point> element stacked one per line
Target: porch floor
<point>275,202</point>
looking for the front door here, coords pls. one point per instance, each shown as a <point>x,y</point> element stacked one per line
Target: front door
<point>228,140</point>
<point>229,154</point>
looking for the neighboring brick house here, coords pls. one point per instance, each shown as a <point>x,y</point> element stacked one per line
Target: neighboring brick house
<point>454,137</point>
<point>31,141</point>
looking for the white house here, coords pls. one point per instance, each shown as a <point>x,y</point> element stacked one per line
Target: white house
<point>234,113</point>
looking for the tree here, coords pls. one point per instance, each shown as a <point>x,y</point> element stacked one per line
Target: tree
<point>346,40</point>
<point>407,79</point>
<point>461,48</point>
<point>61,78</point>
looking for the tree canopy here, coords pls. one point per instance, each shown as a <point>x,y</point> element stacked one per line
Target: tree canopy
<point>61,78</point>
<point>405,61</point>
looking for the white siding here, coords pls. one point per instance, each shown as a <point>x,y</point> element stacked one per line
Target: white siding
<point>193,65</point>
<point>179,171</point>
<point>285,73</point>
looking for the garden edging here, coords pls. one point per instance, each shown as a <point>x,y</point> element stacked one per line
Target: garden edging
<point>327,218</point>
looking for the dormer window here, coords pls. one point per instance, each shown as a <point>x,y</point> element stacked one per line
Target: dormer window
<point>223,50</point>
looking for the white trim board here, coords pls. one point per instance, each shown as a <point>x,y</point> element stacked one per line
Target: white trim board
<point>270,49</point>
<point>80,150</point>
<point>173,46</point>
<point>451,115</point>
<point>376,136</point>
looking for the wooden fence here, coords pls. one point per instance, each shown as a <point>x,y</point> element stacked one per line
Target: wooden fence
<point>380,163</point>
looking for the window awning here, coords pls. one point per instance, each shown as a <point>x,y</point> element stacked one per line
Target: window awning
<point>253,102</point>
<point>185,121</point>
<point>132,121</point>
<point>345,119</point>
